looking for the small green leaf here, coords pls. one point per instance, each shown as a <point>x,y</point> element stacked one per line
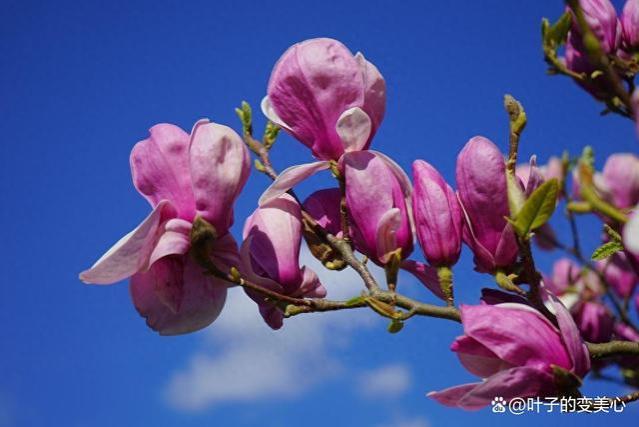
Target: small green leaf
<point>612,233</point>
<point>395,326</point>
<point>607,249</point>
<point>555,34</point>
<point>538,208</point>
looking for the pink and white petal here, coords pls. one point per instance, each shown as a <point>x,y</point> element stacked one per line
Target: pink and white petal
<point>575,346</point>
<point>521,382</point>
<point>160,168</point>
<point>175,240</point>
<point>387,228</point>
<point>426,274</point>
<point>311,286</point>
<point>476,358</point>
<point>452,396</point>
<point>289,178</point>
<point>131,253</point>
<point>631,233</point>
<point>354,129</point>
<point>270,114</point>
<point>202,297</point>
<point>374,91</point>
<point>220,165</point>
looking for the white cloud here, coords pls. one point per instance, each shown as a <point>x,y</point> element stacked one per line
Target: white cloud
<point>386,381</point>
<point>244,360</point>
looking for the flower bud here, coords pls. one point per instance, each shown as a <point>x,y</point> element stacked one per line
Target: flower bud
<point>438,217</point>
<point>377,206</point>
<point>630,25</point>
<point>602,20</point>
<point>270,256</point>
<point>481,183</point>
<point>328,99</point>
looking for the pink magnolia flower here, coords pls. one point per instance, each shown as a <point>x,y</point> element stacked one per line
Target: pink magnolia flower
<point>630,25</point>
<point>377,196</point>
<point>581,291</point>
<point>331,101</point>
<point>182,177</point>
<point>481,184</point>
<point>513,348</point>
<point>270,256</point>
<point>438,216</point>
<point>328,99</point>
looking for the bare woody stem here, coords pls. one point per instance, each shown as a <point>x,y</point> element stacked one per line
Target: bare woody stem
<point>612,349</point>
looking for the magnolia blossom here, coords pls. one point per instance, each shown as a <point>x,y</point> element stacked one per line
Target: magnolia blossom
<point>377,196</point>
<point>481,184</point>
<point>516,351</point>
<point>630,25</point>
<point>182,177</point>
<point>328,99</point>
<point>438,216</point>
<point>581,291</point>
<point>331,101</point>
<point>270,257</point>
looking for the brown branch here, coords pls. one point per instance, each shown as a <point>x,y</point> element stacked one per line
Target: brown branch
<point>612,348</point>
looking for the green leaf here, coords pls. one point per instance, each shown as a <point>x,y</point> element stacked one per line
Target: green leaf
<point>537,209</point>
<point>395,326</point>
<point>555,35</point>
<point>612,233</point>
<point>607,249</point>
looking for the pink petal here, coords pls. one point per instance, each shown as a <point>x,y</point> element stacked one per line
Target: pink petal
<point>311,286</point>
<point>387,228</point>
<point>220,166</point>
<point>131,253</point>
<point>426,274</point>
<point>160,168</point>
<point>374,92</point>
<point>175,240</point>
<point>509,384</point>
<point>354,129</point>
<point>289,178</point>
<point>476,358</point>
<point>631,233</point>
<point>271,115</point>
<point>571,337</point>
<point>176,297</point>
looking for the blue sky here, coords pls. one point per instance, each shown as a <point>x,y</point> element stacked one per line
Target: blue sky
<point>81,82</point>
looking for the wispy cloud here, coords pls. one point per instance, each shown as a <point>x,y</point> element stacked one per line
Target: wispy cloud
<point>386,381</point>
<point>243,360</point>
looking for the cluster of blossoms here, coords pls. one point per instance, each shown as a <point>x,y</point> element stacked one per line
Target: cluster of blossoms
<point>182,259</point>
